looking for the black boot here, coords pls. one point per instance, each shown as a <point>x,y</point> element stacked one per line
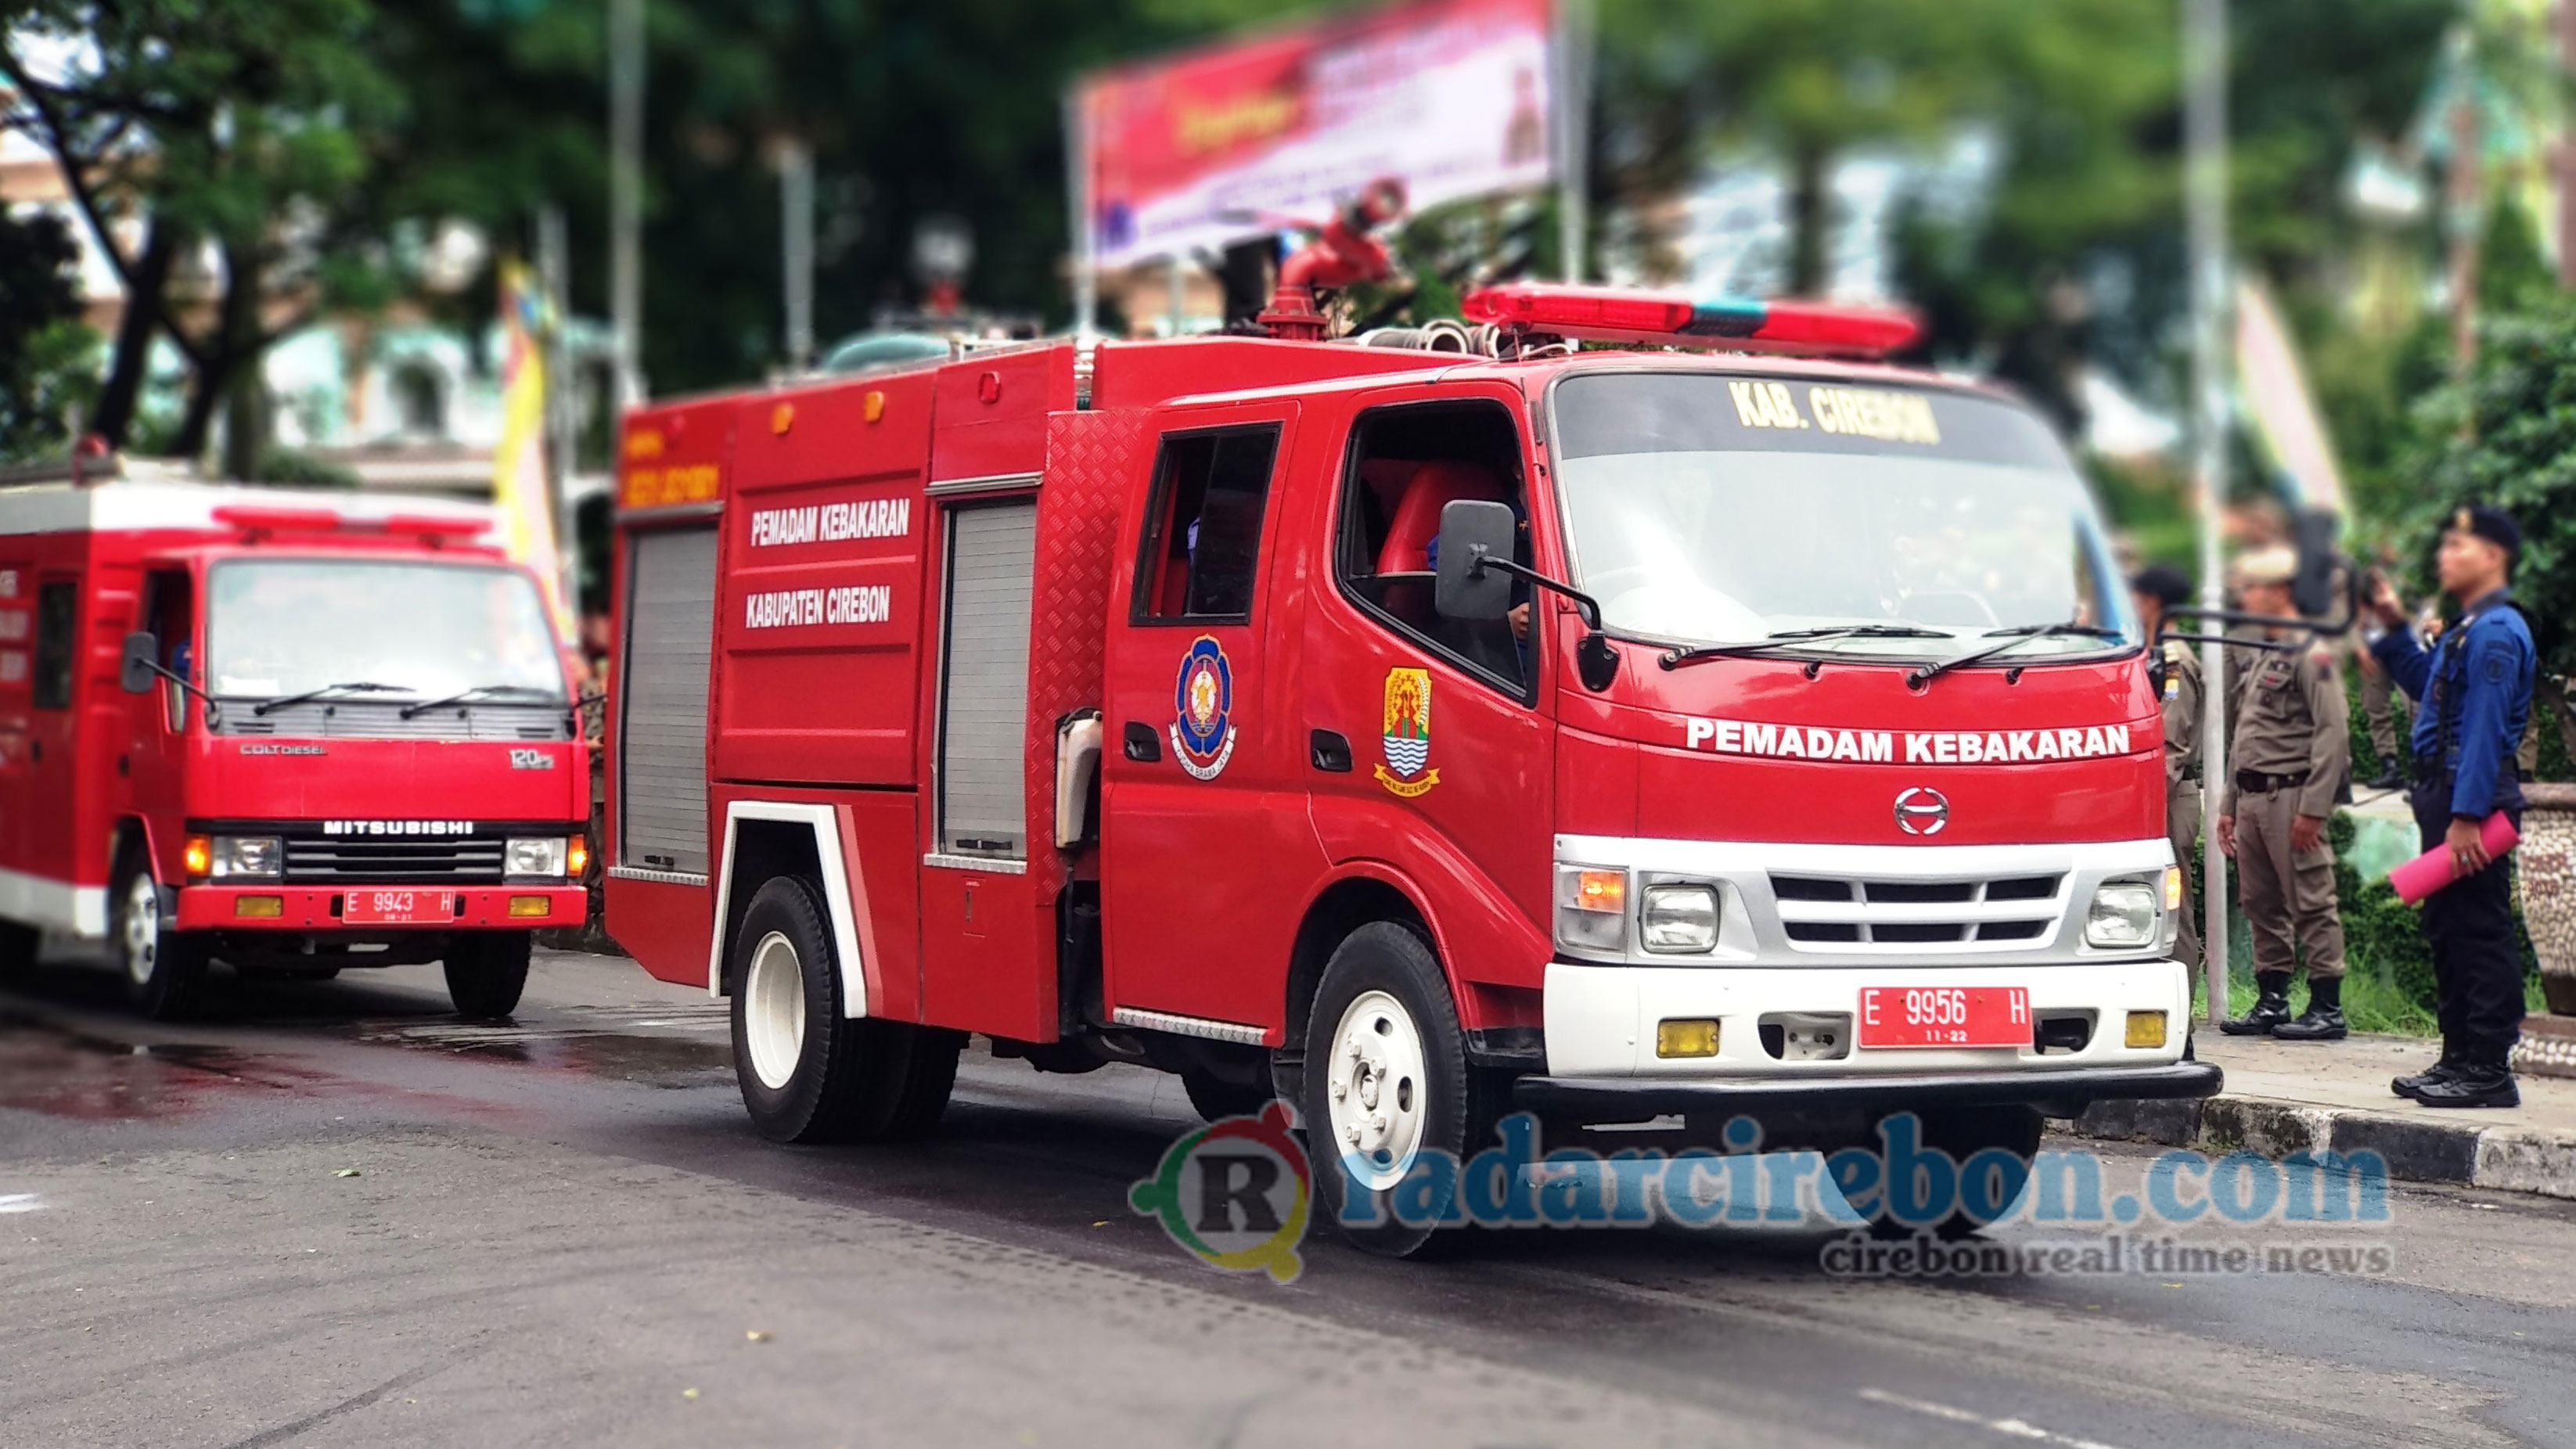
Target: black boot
<point>2323,1020</point>
<point>2441,1071</point>
<point>2483,1080</point>
<point>2388,779</point>
<point>2271,1006</point>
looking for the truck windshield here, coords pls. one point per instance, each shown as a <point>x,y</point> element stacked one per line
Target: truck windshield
<point>407,631</point>
<point>1706,509</point>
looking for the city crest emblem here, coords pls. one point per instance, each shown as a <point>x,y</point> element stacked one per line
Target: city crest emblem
<point>1408,734</point>
<point>1202,729</point>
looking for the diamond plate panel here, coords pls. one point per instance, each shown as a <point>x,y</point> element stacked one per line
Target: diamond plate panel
<point>1092,460</point>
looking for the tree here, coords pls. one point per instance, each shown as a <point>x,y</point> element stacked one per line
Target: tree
<point>43,342</point>
<point>239,128</point>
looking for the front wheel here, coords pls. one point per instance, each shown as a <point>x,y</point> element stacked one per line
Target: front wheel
<point>1387,1084</point>
<point>486,971</point>
<point>163,967</point>
<point>808,1072</point>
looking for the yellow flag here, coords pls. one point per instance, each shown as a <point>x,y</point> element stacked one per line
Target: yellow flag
<point>519,463</point>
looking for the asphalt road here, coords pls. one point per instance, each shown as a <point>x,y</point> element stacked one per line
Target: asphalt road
<point>331,1214</point>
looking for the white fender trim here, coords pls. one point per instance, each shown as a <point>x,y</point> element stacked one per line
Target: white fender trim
<point>825,822</point>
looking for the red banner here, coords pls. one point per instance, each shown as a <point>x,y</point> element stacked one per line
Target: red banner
<point>1453,96</point>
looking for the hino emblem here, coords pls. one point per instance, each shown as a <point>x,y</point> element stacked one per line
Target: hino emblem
<point>1922,811</point>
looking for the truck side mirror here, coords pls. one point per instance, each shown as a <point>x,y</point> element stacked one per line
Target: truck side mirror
<point>1471,530</point>
<point>141,650</point>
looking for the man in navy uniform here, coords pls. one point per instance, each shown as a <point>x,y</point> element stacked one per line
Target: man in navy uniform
<point>2473,697</point>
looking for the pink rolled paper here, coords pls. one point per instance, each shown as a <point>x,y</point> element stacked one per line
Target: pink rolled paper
<point>2433,870</point>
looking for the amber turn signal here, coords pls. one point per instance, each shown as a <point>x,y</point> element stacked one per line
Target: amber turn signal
<point>2146,1029</point>
<point>199,855</point>
<point>259,908</point>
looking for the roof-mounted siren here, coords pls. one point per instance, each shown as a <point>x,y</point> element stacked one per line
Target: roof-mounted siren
<point>1664,319</point>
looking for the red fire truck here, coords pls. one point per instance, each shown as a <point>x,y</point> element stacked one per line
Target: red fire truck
<point>1611,731</point>
<point>291,731</point>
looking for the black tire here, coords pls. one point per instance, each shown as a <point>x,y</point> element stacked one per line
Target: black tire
<point>18,947</point>
<point>837,1079</point>
<point>1217,1099</point>
<point>1455,1105</point>
<point>486,971</point>
<point>1963,1133</point>
<point>163,967</point>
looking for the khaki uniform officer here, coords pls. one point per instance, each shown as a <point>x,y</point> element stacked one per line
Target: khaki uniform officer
<point>2174,670</point>
<point>2285,765</point>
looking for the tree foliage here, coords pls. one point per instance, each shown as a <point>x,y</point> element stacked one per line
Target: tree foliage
<point>45,348</point>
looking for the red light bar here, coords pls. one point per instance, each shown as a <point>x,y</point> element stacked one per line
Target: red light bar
<point>1613,314</point>
<point>432,525</point>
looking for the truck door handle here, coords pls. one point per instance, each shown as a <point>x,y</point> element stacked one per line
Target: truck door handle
<point>1140,743</point>
<point>1329,751</point>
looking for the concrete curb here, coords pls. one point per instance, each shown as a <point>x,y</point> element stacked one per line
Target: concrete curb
<point>2453,1148</point>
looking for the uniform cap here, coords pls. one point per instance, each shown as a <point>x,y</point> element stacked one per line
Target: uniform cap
<point>2492,524</point>
<point>2274,565</point>
<point>2163,583</point>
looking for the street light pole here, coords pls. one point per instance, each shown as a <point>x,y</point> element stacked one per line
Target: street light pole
<point>796,249</point>
<point>626,194</point>
<point>2204,45</point>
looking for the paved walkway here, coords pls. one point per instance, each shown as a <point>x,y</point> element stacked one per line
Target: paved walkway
<point>2286,1097</point>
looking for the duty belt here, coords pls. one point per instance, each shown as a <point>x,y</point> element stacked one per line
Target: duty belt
<point>2255,782</point>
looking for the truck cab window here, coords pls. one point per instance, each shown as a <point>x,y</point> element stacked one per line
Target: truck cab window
<point>1203,535</point>
<point>57,611</point>
<point>1407,464</point>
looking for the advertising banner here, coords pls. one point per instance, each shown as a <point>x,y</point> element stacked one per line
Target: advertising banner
<point>1454,97</point>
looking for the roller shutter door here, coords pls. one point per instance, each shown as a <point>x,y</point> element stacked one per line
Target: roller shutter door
<point>984,682</point>
<point>662,728</point>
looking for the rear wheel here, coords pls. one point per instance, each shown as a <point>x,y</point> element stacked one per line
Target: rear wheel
<point>1387,1082</point>
<point>809,1073</point>
<point>163,967</point>
<point>18,946</point>
<point>1990,1151</point>
<point>486,971</point>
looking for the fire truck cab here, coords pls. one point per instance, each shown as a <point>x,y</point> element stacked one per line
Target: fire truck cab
<point>1415,736</point>
<point>290,731</point>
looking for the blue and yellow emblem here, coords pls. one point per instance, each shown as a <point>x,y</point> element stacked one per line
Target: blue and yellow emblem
<point>1202,729</point>
<point>1407,737</point>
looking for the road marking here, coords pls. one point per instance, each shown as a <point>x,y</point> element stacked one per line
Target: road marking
<point>18,1202</point>
<point>2009,1428</point>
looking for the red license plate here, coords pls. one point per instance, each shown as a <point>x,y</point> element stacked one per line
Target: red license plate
<point>1944,1016</point>
<point>402,908</point>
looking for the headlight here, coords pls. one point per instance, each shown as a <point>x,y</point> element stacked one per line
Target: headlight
<point>245,857</point>
<point>2124,914</point>
<point>533,857</point>
<point>1678,918</point>
<point>1591,908</point>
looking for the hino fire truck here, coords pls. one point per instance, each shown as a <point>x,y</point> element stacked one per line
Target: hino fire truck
<point>1619,709</point>
<point>288,731</point>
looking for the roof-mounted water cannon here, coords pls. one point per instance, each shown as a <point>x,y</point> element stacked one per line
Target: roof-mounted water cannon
<point>1345,251</point>
<point>1667,319</point>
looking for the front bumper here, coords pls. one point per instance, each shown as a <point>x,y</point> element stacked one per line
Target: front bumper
<point>1601,1020</point>
<point>2057,1093</point>
<point>314,908</point>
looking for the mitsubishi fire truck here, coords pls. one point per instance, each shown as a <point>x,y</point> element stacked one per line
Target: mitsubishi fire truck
<point>290,731</point>
<point>1619,709</point>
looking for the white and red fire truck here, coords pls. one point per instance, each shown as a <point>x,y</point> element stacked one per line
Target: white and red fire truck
<point>292,731</point>
<point>1614,731</point>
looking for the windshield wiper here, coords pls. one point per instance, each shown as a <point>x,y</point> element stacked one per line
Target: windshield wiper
<point>1791,638</point>
<point>2014,636</point>
<point>353,686</point>
<point>477,692</point>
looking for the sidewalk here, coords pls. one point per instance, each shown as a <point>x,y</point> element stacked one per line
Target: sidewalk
<point>2284,1097</point>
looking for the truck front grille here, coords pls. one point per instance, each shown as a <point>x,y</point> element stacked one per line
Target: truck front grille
<point>342,861</point>
<point>1843,913</point>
